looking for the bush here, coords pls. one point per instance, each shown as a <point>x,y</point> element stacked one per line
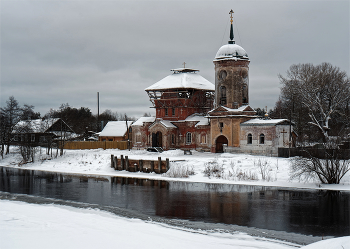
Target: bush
<point>179,171</point>
<point>330,170</point>
<point>264,166</point>
<point>213,169</point>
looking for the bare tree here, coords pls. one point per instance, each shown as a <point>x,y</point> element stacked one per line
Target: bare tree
<point>322,90</point>
<point>331,169</point>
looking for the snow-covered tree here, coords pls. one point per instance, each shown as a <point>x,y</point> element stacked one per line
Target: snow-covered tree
<point>322,90</point>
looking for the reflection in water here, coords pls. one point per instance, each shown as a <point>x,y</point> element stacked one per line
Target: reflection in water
<point>308,212</point>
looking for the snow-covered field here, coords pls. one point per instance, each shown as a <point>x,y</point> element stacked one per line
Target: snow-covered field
<point>237,168</point>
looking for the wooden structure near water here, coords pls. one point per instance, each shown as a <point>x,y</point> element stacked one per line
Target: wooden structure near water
<point>139,165</point>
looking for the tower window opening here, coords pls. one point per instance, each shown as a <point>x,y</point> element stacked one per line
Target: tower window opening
<point>221,125</point>
<point>222,95</point>
<point>166,111</point>
<point>173,111</point>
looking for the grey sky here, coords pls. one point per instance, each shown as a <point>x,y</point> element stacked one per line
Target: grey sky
<point>55,52</point>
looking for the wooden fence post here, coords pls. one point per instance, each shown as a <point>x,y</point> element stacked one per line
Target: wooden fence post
<point>160,165</point>
<point>116,163</point>
<point>112,161</point>
<point>141,165</point>
<point>126,163</point>
<point>152,166</point>
<point>122,162</point>
<point>167,164</point>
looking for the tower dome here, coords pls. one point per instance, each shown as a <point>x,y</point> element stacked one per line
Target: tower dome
<point>231,52</point>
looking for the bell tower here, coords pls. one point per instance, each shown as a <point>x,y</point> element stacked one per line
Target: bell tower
<point>231,74</point>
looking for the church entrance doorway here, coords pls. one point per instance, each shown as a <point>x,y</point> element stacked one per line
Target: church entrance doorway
<point>220,141</point>
<point>157,139</point>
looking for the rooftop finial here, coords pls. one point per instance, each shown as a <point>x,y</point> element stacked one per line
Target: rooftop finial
<point>231,31</point>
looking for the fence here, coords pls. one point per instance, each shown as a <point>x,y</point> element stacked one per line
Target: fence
<point>87,145</point>
<point>319,153</point>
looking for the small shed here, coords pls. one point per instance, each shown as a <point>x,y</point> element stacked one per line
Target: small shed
<point>116,131</point>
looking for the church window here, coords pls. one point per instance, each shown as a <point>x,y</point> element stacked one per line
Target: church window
<point>261,139</point>
<point>204,139</point>
<point>221,125</point>
<point>172,139</point>
<point>16,138</point>
<point>222,95</point>
<point>173,111</point>
<point>32,138</point>
<point>249,139</point>
<point>188,138</point>
<point>166,111</point>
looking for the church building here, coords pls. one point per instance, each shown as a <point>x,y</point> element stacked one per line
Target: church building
<point>193,113</point>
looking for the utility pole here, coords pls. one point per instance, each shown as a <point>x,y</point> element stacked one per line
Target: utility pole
<point>98,111</point>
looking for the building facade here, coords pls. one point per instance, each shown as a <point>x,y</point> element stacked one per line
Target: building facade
<point>187,117</point>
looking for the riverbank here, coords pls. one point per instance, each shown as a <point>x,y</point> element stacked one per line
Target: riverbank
<point>30,225</point>
<point>242,169</point>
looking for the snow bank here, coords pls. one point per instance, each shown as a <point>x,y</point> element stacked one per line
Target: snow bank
<point>24,225</point>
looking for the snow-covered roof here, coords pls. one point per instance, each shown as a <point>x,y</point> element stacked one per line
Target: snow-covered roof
<point>231,52</point>
<point>34,126</point>
<point>142,120</point>
<point>167,123</point>
<point>197,118</point>
<point>264,122</point>
<point>243,108</point>
<point>182,81</point>
<point>114,129</point>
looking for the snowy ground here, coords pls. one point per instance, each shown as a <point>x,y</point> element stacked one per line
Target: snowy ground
<point>24,225</point>
<point>237,168</point>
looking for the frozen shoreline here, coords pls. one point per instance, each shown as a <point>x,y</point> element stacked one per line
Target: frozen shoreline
<point>97,162</point>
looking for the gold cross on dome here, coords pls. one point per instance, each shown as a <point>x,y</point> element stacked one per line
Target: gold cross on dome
<point>231,12</point>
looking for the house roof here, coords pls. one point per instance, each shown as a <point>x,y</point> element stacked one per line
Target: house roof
<point>265,122</point>
<point>34,126</point>
<point>115,129</point>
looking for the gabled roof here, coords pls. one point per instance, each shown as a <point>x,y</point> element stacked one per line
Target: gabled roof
<point>165,123</point>
<point>242,109</point>
<point>115,129</point>
<point>142,120</point>
<point>265,122</point>
<point>197,118</point>
<point>186,80</point>
<point>34,126</point>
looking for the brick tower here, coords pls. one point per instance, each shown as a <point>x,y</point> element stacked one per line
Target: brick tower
<point>231,74</point>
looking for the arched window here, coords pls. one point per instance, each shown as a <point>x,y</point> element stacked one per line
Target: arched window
<point>222,95</point>
<point>261,139</point>
<point>249,139</point>
<point>188,138</point>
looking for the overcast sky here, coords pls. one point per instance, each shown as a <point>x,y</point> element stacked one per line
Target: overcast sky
<point>55,52</point>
